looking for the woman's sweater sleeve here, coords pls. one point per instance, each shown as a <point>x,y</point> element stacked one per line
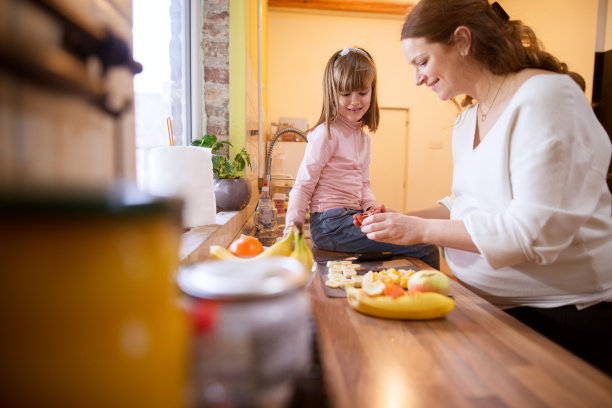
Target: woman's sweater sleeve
<point>558,158</point>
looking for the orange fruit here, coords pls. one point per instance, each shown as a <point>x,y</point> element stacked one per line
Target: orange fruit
<point>246,247</point>
<point>393,290</point>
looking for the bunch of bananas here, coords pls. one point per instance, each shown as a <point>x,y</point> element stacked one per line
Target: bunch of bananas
<point>413,306</point>
<point>293,245</point>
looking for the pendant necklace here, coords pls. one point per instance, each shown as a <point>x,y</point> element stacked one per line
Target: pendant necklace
<point>483,116</point>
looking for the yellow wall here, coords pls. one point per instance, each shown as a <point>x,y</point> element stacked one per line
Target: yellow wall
<point>244,80</point>
<point>300,43</point>
<point>244,87</point>
<point>608,43</point>
<point>252,49</point>
<point>567,28</point>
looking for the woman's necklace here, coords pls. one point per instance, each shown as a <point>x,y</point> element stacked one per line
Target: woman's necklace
<point>483,116</point>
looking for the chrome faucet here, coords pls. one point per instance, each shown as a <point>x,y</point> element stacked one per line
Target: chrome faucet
<point>269,153</point>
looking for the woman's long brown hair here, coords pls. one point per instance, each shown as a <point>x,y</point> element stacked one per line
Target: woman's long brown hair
<point>503,46</point>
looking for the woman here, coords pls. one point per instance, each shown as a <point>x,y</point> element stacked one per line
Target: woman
<point>528,224</point>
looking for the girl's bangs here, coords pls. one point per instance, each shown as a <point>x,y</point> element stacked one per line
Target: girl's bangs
<point>354,79</point>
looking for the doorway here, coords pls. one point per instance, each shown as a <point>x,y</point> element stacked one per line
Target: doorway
<point>389,159</point>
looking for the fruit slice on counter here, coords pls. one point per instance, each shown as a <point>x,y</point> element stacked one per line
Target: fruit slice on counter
<point>372,284</point>
<point>410,306</point>
<point>429,280</point>
<point>393,290</point>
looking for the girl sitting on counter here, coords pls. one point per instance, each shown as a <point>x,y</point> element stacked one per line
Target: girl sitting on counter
<point>333,177</point>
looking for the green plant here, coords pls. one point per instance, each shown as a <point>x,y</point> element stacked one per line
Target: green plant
<point>224,168</point>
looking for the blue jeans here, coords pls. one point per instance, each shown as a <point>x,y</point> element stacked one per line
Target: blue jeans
<point>333,230</point>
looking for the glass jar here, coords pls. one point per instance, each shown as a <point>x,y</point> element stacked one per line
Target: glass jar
<point>256,340</point>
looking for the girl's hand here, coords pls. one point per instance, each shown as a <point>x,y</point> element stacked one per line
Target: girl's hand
<point>357,220</point>
<point>394,228</point>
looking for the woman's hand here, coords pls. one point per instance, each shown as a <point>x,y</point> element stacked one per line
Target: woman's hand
<point>394,228</point>
<point>403,229</point>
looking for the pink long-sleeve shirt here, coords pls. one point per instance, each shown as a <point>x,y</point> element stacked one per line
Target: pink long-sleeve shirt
<point>334,173</point>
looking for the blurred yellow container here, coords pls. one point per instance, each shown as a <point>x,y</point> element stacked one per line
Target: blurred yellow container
<point>88,302</point>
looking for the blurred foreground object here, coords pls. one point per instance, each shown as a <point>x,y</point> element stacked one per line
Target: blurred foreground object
<point>88,300</point>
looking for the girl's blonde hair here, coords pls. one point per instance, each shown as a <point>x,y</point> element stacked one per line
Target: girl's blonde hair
<point>351,69</point>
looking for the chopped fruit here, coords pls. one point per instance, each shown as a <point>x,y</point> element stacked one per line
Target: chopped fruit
<point>393,290</point>
<point>332,283</point>
<point>372,284</point>
<point>375,209</point>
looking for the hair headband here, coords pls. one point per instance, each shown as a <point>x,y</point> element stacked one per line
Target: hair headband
<point>346,50</point>
<point>500,12</point>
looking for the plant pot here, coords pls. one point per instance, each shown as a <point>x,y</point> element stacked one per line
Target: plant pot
<point>232,194</point>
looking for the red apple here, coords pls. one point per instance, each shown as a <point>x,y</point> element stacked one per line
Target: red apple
<point>429,280</point>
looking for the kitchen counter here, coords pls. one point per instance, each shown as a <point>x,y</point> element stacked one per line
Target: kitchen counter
<point>477,356</point>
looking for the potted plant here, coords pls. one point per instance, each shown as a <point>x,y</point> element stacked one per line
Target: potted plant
<point>232,192</point>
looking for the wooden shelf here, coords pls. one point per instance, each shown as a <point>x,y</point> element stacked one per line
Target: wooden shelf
<point>397,8</point>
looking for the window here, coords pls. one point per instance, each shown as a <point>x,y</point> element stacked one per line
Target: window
<point>162,44</point>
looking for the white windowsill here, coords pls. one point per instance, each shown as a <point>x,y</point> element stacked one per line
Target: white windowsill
<point>196,242</point>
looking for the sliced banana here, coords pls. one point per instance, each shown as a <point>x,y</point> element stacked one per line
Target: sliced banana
<point>332,283</point>
<point>348,272</point>
<point>335,263</point>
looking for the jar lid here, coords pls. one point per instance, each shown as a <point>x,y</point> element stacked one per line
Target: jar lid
<point>243,279</point>
<point>119,199</point>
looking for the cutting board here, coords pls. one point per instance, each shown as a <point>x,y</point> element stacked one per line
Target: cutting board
<point>322,257</point>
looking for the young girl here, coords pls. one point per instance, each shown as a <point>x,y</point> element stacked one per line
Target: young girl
<point>334,174</point>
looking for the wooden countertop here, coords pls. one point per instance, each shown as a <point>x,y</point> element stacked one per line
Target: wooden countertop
<point>477,356</point>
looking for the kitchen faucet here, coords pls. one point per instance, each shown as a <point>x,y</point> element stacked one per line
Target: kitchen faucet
<point>276,136</point>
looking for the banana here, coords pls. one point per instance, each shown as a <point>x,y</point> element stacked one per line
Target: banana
<point>295,238</point>
<point>281,248</point>
<point>301,252</point>
<point>309,254</point>
<point>417,306</point>
<point>217,252</point>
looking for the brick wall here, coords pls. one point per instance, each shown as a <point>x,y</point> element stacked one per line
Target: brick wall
<point>216,66</point>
